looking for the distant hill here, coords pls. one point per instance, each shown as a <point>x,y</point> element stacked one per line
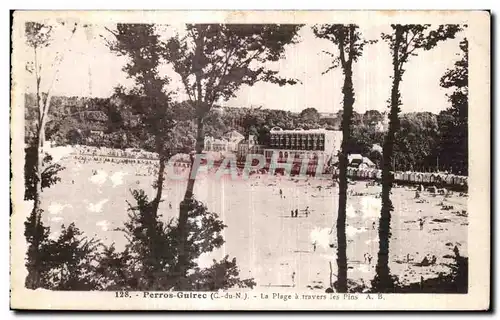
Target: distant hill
<point>77,119</point>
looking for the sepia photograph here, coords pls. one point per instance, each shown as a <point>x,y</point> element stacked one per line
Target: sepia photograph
<point>250,160</point>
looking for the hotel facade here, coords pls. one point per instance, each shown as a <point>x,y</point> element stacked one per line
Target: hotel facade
<point>294,145</point>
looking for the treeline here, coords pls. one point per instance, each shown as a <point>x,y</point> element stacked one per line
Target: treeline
<point>425,141</point>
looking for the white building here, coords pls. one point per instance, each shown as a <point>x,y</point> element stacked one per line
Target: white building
<point>297,144</point>
<point>213,144</point>
<point>233,139</point>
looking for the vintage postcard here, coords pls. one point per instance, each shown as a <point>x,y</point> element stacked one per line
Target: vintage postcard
<point>268,160</point>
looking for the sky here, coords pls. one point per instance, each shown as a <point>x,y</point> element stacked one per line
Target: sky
<point>89,68</point>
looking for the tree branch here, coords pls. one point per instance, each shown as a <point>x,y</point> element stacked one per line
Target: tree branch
<point>214,91</point>
<point>46,105</point>
<point>405,52</point>
<point>351,44</point>
<point>211,83</point>
<point>111,31</point>
<point>341,47</point>
<point>38,79</point>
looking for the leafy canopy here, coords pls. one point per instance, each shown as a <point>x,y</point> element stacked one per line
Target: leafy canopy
<point>417,36</point>
<point>340,35</point>
<point>215,60</point>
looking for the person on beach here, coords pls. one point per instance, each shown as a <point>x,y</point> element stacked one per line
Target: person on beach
<point>314,245</point>
<point>368,258</point>
<point>421,223</point>
<point>307,211</point>
<point>281,194</point>
<point>296,213</point>
<point>292,213</point>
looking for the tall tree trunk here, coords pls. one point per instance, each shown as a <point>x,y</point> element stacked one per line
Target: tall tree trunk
<point>33,278</point>
<point>185,206</point>
<point>384,282</point>
<point>153,265</point>
<point>348,93</point>
<point>198,150</point>
<point>202,109</point>
<point>160,180</point>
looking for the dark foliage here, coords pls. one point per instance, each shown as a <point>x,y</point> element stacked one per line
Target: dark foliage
<point>49,173</point>
<point>149,259</point>
<point>67,263</point>
<point>453,122</point>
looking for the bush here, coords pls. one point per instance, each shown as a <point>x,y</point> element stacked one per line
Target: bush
<point>67,263</point>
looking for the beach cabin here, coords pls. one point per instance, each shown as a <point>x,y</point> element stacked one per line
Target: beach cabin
<point>419,177</point>
<point>426,177</point>
<point>433,178</point>
<point>406,176</point>
<point>365,173</point>
<point>397,176</point>
<point>449,179</point>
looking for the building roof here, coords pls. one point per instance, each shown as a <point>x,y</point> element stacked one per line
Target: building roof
<point>355,156</point>
<point>368,162</point>
<point>233,134</point>
<point>247,140</point>
<point>278,130</point>
<point>215,140</point>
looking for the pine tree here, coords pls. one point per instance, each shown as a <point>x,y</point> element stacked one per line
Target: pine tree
<point>405,41</point>
<point>214,61</point>
<point>350,46</point>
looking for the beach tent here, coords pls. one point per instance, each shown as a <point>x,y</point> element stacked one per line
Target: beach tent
<point>426,177</point>
<point>406,176</point>
<point>433,178</point>
<point>419,177</point>
<point>449,179</point>
<point>398,176</point>
<point>365,173</point>
<point>355,172</point>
